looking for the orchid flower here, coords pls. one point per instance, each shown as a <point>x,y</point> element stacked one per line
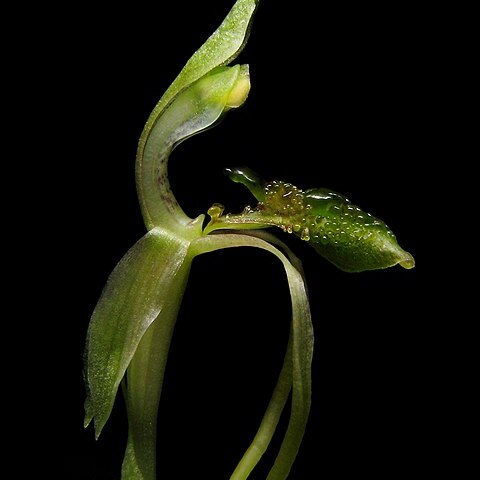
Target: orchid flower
<point>132,325</point>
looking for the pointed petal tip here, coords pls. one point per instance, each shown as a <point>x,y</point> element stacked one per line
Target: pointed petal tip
<point>88,412</point>
<point>86,422</point>
<point>408,262</point>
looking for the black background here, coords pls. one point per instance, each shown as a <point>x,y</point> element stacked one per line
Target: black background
<point>342,97</point>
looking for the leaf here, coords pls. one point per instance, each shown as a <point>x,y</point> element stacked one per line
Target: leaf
<point>136,293</point>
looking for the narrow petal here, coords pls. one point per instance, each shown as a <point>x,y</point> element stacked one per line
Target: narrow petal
<point>301,353</point>
<point>136,292</point>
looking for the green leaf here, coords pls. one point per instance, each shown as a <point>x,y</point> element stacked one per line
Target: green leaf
<point>138,290</point>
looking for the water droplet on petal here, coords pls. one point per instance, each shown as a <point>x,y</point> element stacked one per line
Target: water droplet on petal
<point>305,234</point>
<point>216,211</point>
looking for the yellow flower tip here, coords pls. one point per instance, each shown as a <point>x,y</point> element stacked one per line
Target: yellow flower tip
<point>408,262</point>
<point>215,211</point>
<point>240,90</point>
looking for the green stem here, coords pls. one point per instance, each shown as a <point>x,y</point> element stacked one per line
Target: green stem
<point>270,420</point>
<point>144,385</point>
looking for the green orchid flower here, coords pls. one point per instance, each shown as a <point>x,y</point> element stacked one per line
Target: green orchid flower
<point>132,325</point>
<point>344,234</point>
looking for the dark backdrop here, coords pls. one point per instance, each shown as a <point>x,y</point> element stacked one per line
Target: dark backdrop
<point>341,97</point>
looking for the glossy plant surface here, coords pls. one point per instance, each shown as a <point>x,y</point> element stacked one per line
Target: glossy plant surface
<point>132,325</point>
